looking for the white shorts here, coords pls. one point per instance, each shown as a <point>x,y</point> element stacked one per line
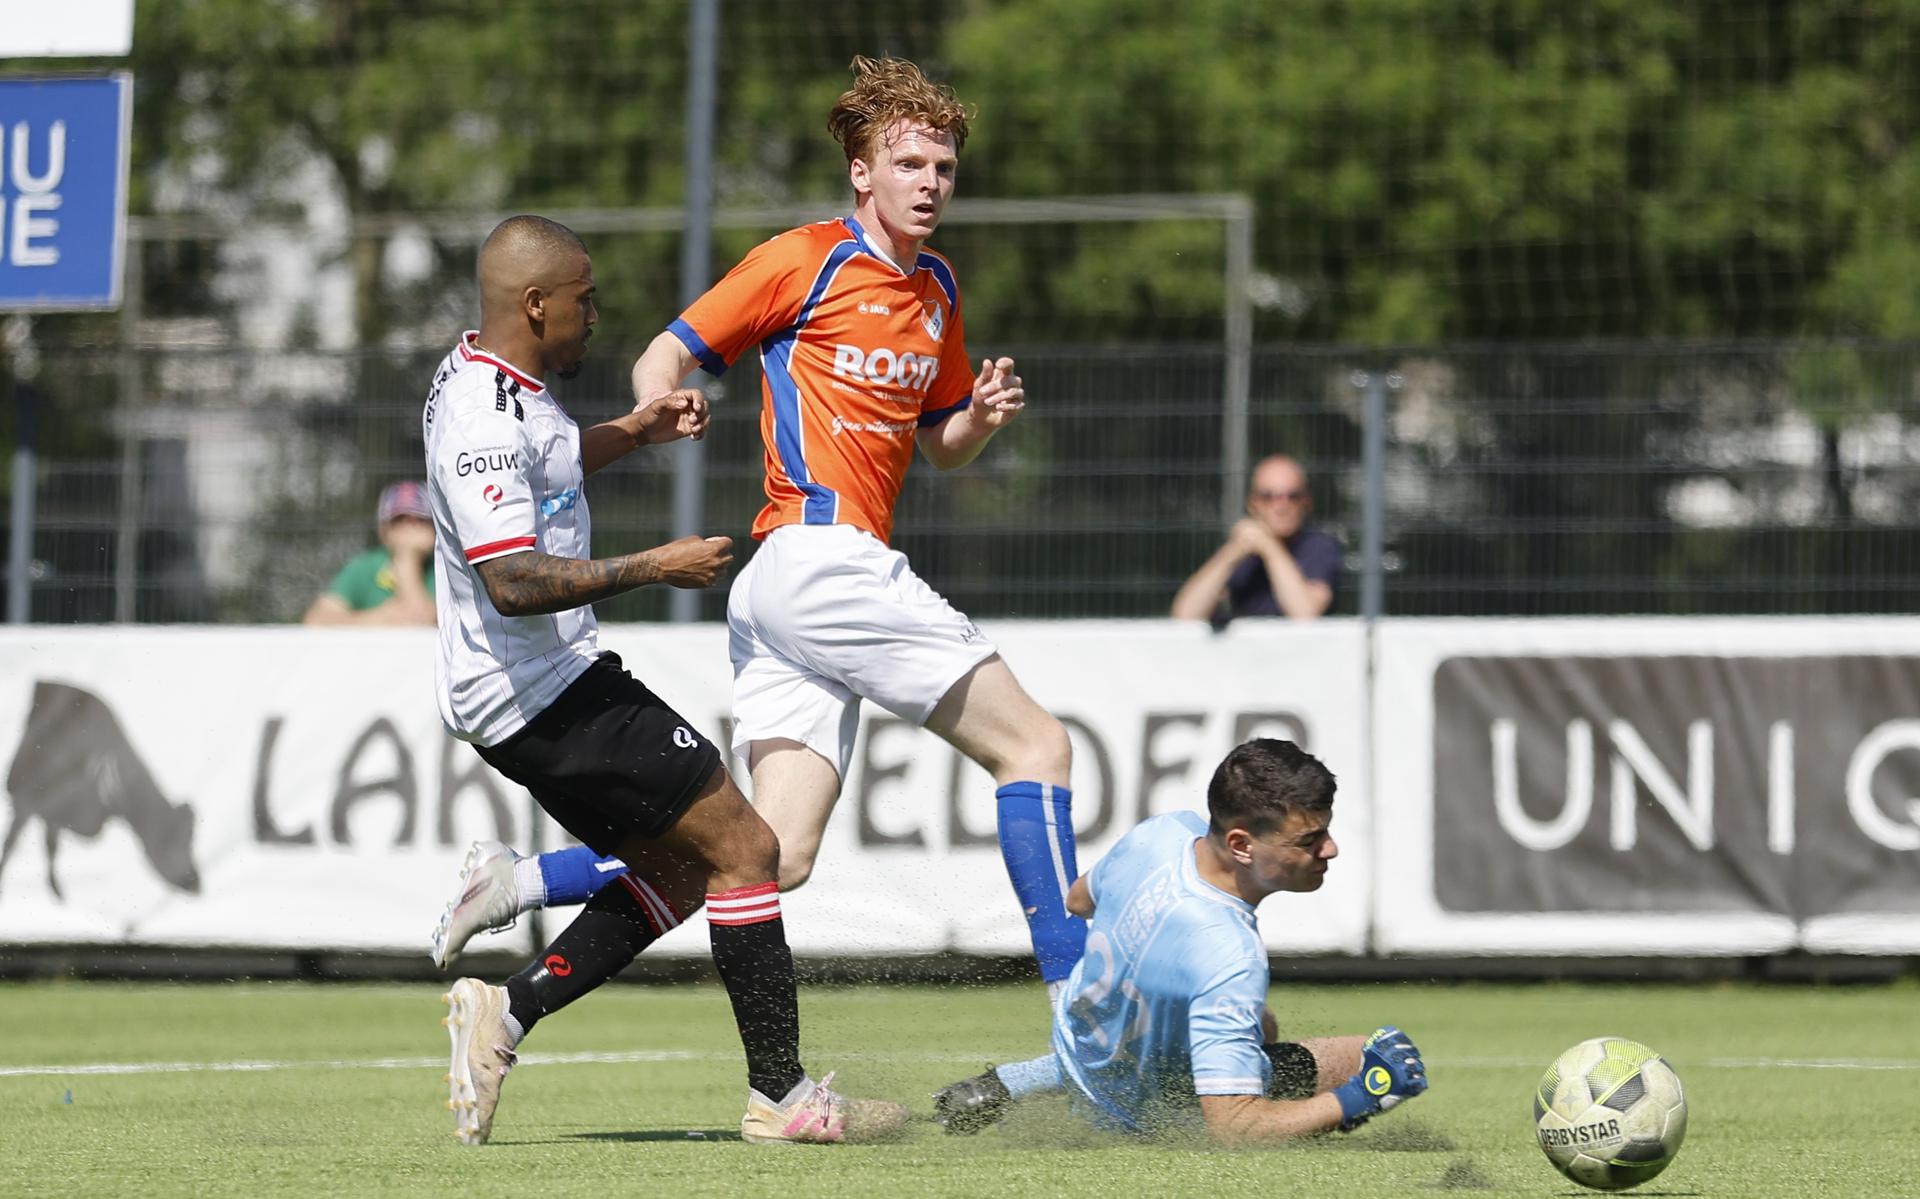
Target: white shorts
<point>825,616</point>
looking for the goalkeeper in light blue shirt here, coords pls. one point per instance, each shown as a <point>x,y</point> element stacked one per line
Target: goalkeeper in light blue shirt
<point>1164,1021</point>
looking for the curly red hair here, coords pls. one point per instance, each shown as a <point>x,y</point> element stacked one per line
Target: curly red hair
<point>888,90</point>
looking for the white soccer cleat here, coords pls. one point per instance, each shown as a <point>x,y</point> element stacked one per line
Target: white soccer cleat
<point>821,1116</point>
<point>476,1024</point>
<point>488,899</point>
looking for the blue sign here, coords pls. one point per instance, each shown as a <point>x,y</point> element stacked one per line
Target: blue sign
<point>63,191</point>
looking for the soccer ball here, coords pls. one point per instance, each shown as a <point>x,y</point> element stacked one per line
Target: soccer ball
<point>1610,1113</point>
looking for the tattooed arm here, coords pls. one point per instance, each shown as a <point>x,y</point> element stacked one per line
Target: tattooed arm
<point>533,584</point>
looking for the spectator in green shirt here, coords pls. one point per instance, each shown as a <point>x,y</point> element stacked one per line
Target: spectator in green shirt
<point>392,583</point>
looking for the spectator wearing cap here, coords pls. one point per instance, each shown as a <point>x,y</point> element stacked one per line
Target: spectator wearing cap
<point>391,583</point>
<point>1273,562</point>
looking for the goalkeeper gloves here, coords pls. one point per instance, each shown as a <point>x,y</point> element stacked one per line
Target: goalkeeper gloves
<point>1390,1072</point>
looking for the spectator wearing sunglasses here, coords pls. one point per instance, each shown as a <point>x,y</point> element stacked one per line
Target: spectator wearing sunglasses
<point>1273,563</point>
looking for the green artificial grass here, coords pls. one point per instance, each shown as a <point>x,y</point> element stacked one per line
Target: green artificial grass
<point>301,1088</point>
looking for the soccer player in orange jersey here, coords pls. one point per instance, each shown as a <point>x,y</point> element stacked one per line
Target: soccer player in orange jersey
<point>863,355</point>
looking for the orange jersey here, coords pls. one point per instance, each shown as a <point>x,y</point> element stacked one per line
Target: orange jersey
<point>855,358</point>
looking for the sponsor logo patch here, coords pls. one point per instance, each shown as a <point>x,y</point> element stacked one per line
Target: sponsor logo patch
<point>902,369</point>
<point>842,425</point>
<point>481,461</point>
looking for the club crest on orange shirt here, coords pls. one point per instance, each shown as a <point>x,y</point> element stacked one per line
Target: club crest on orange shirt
<point>933,319</point>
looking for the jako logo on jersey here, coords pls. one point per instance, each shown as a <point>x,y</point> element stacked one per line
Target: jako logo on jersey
<point>558,966</point>
<point>559,503</point>
<point>934,321</point>
<point>492,493</point>
<point>683,737</point>
<point>465,464</point>
<point>910,371</point>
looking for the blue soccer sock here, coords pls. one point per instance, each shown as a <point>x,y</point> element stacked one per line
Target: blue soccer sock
<point>1036,842</point>
<point>574,875</point>
<point>1031,1078</point>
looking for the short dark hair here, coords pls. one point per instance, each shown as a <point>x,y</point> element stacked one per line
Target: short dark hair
<point>1262,782</point>
<point>544,234</point>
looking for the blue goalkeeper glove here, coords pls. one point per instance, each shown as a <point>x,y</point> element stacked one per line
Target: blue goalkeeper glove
<point>1390,1072</point>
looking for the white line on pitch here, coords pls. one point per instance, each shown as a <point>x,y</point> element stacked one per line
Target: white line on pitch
<point>1812,1063</point>
<point>683,1055</point>
<point>424,1063</point>
<point>1715,1063</point>
<point>372,1063</point>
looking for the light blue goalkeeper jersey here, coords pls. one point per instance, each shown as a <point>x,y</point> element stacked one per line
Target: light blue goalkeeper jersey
<point>1166,1003</point>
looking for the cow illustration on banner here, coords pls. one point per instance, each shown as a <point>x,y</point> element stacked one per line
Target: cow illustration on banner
<point>75,770</point>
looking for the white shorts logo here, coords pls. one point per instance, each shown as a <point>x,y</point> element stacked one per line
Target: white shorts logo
<point>683,737</point>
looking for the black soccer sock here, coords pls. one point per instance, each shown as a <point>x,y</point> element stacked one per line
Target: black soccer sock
<point>616,924</point>
<point>750,951</point>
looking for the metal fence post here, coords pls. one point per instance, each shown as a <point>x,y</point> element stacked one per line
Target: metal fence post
<point>1373,521</point>
<point>696,238</point>
<point>1373,491</point>
<point>1239,361</point>
<point>26,480</point>
<point>126,544</point>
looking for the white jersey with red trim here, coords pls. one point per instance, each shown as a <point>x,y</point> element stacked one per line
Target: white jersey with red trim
<point>503,477</point>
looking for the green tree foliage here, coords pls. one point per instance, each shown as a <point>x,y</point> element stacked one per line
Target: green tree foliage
<point>1484,169</point>
<point>411,108</point>
<point>1424,170</point>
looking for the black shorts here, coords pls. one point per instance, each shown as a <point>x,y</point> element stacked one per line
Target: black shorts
<point>608,759</point>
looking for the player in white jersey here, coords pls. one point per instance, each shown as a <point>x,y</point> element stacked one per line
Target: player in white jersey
<point>523,679</point>
<point>1164,1021</point>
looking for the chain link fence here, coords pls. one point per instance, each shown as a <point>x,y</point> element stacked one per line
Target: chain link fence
<point>1739,478</point>
<point>309,181</point>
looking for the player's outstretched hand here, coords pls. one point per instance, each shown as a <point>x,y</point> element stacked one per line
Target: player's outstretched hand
<point>670,417</point>
<point>998,391</point>
<point>1391,1073</point>
<point>693,561</point>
